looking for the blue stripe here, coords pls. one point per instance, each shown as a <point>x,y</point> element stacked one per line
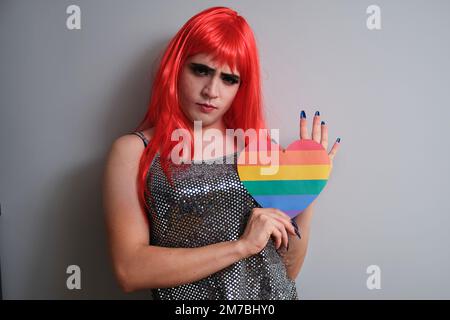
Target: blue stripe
<point>286,202</point>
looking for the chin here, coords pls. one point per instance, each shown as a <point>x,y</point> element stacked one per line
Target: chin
<point>204,117</point>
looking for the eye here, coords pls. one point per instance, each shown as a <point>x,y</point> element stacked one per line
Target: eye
<point>200,70</point>
<point>230,80</point>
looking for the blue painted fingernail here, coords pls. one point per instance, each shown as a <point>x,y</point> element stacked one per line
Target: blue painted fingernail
<point>294,223</point>
<point>298,233</point>
<point>303,114</point>
<point>338,140</point>
<point>317,113</point>
<point>322,123</point>
<point>296,228</point>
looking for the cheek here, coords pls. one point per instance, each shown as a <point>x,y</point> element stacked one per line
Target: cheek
<point>189,86</point>
<point>230,94</point>
<point>184,88</point>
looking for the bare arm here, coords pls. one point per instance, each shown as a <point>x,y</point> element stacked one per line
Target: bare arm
<point>295,256</point>
<point>138,265</point>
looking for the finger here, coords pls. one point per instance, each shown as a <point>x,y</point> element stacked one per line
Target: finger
<point>335,148</point>
<point>324,135</point>
<point>284,219</point>
<point>278,237</point>
<point>303,126</point>
<point>316,131</point>
<point>282,230</point>
<point>285,236</point>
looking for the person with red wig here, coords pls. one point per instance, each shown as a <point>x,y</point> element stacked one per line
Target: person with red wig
<point>192,231</point>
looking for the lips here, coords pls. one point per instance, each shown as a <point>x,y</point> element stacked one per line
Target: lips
<point>207,105</point>
<point>206,108</point>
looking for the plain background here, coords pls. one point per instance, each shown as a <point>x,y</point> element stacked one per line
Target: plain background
<point>67,94</point>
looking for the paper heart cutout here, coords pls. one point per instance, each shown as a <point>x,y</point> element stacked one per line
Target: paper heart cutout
<point>292,182</point>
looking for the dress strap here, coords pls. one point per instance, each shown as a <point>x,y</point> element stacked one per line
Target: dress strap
<point>141,135</point>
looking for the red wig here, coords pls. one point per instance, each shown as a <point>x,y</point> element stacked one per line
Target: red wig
<point>224,34</point>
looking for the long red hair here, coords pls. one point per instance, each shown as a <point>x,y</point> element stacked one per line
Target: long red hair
<point>224,34</point>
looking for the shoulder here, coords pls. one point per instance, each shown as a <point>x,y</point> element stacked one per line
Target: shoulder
<point>128,148</point>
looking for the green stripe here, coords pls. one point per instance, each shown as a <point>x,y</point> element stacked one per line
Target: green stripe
<point>273,187</point>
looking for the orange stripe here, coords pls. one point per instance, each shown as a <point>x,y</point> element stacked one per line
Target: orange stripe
<point>285,158</point>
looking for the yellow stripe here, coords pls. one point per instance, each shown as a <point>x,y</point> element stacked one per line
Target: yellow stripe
<point>284,172</point>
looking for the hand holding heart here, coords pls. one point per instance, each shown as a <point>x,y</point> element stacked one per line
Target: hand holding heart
<point>319,135</point>
<point>299,175</point>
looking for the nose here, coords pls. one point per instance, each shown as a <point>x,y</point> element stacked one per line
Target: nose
<point>211,89</point>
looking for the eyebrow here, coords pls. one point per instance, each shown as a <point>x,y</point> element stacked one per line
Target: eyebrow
<point>214,70</point>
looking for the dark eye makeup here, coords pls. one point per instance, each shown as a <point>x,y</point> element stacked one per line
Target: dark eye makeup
<point>201,69</point>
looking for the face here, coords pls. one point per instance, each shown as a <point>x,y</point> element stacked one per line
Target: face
<point>202,81</point>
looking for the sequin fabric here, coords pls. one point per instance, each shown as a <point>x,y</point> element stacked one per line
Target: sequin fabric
<point>209,204</point>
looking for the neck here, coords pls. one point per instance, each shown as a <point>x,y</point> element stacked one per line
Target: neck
<point>219,125</point>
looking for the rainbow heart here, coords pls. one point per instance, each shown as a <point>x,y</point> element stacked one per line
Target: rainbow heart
<point>289,184</point>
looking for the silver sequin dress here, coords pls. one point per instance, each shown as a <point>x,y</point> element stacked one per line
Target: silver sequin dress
<point>209,204</point>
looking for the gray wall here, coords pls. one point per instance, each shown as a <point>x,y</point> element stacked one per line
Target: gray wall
<point>65,95</point>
